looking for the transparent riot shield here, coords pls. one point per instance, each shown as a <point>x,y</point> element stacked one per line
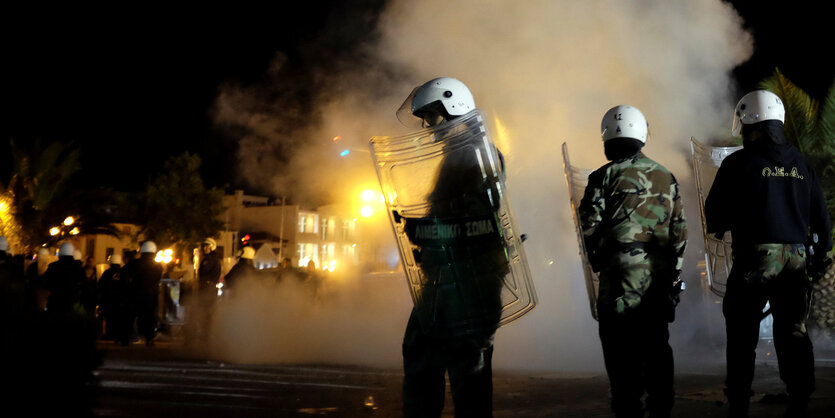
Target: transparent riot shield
<point>460,248</point>
<point>576,179</point>
<point>706,161</point>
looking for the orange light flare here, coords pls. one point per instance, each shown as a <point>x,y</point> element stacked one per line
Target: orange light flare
<point>371,201</point>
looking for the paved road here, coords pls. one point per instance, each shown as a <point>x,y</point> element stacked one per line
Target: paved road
<point>165,380</point>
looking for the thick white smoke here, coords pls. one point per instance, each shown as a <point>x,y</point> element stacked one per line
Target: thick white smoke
<point>545,72</point>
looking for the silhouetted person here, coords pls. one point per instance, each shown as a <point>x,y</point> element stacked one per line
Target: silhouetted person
<point>64,279</point>
<point>144,275</point>
<point>244,268</point>
<point>62,345</point>
<point>89,289</point>
<point>634,227</point>
<point>451,328</point>
<point>115,305</point>
<point>770,199</point>
<point>36,287</point>
<point>208,277</point>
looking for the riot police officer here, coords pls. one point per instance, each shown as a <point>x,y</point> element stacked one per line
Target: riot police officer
<point>460,276</point>
<point>769,197</point>
<point>65,279</point>
<point>143,275</point>
<point>634,228</point>
<point>242,270</point>
<point>206,295</point>
<point>208,272</point>
<point>115,307</point>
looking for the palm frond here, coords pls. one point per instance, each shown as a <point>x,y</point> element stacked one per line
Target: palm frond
<point>801,112</point>
<point>826,124</point>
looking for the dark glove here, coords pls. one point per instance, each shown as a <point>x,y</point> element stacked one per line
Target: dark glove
<point>816,260</point>
<point>674,298</point>
<point>816,267</point>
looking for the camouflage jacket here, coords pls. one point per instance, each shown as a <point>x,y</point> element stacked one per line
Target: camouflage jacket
<point>633,204</point>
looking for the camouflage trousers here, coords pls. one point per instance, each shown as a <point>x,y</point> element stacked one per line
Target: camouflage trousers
<point>633,277</point>
<point>773,273</point>
<point>427,359</point>
<point>634,333</point>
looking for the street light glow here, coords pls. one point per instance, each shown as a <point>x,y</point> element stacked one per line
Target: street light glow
<point>367,195</point>
<point>164,256</point>
<point>366,211</point>
<point>54,231</point>
<point>69,221</point>
<point>74,231</point>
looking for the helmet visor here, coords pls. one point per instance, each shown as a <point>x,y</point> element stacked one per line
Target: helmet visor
<point>736,126</point>
<point>405,115</point>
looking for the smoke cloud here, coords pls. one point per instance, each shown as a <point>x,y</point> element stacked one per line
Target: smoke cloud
<point>545,72</point>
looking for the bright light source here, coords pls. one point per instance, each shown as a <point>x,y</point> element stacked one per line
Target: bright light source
<point>331,266</point>
<point>344,153</point>
<point>69,221</point>
<point>74,231</point>
<point>54,231</point>
<point>367,195</point>
<point>337,138</point>
<point>366,211</point>
<point>164,256</point>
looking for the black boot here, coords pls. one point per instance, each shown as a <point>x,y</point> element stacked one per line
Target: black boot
<point>797,408</point>
<point>738,407</point>
<point>738,402</point>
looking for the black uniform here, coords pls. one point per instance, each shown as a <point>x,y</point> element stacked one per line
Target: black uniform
<point>62,341</point>
<point>64,279</point>
<point>13,305</point>
<point>467,288</point>
<point>115,305</point>
<point>144,275</point>
<point>208,273</point>
<point>243,268</point>
<point>203,300</point>
<point>770,199</point>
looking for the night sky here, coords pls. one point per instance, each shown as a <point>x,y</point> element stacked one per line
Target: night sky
<point>133,88</point>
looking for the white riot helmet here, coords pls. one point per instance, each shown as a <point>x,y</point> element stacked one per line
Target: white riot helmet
<point>66,250</point>
<point>4,244</point>
<point>148,247</point>
<point>624,121</point>
<point>248,253</point>
<point>444,94</point>
<point>757,106</point>
<point>210,242</point>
